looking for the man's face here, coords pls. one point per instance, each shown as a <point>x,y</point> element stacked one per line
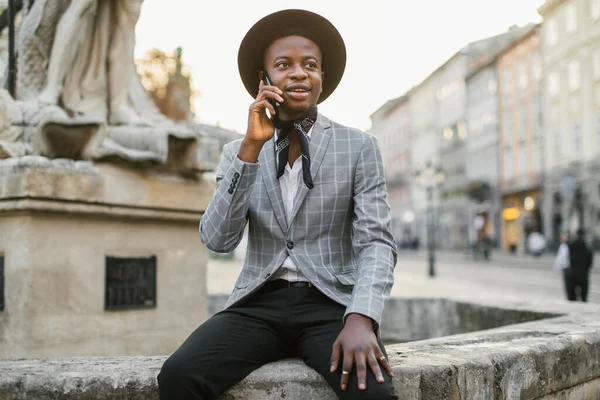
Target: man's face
<point>294,66</point>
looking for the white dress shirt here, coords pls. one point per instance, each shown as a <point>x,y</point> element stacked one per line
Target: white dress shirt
<point>289,183</point>
<point>562,260</point>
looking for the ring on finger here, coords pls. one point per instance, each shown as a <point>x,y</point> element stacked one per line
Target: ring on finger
<point>382,358</point>
<point>345,373</point>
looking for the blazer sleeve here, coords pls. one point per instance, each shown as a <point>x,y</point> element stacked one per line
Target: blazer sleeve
<point>373,244</point>
<point>222,225</point>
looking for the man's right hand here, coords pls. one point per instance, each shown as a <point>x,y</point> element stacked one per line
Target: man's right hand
<point>260,127</point>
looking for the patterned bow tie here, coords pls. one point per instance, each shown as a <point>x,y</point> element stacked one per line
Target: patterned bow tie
<point>300,126</point>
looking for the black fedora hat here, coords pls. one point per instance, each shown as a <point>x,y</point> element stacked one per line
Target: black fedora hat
<point>286,23</point>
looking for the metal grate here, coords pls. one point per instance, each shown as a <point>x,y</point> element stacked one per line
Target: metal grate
<point>1,283</point>
<point>130,283</point>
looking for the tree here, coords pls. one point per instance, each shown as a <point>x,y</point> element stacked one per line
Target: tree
<point>169,83</point>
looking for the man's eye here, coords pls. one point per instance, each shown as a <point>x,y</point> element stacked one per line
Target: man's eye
<point>311,65</point>
<point>283,65</point>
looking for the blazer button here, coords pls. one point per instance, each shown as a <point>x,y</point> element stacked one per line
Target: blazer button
<point>230,190</point>
<point>234,179</point>
<point>231,186</point>
<point>290,245</point>
<point>236,175</point>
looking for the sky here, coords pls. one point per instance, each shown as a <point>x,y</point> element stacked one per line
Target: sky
<point>392,45</point>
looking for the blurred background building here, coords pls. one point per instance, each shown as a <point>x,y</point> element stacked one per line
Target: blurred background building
<point>571,111</point>
<point>514,122</point>
<point>519,77</point>
<point>3,42</point>
<point>393,124</point>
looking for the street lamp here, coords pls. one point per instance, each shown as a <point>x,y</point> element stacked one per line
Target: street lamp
<point>429,178</point>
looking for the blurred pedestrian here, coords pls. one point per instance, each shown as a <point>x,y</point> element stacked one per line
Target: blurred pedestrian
<point>575,259</point>
<point>561,262</point>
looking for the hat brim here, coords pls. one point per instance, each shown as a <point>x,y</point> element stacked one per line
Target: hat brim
<point>271,27</point>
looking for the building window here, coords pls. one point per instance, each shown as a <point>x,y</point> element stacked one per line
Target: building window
<point>553,84</point>
<point>574,71</point>
<point>574,104</point>
<point>571,16</point>
<point>522,76</point>
<point>557,154</point>
<point>598,128</point>
<point>595,9</point>
<point>462,129</point>
<point>510,164</point>
<point>130,283</point>
<point>536,68</point>
<point>551,32</point>
<point>577,139</point>
<point>448,133</point>
<point>537,156</point>
<point>1,283</point>
<point>506,81</point>
<point>523,124</point>
<point>493,86</point>
<point>523,167</point>
<point>596,63</point>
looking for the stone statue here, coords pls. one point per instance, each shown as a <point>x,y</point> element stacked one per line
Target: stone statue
<point>79,93</point>
<point>79,54</point>
<point>91,66</point>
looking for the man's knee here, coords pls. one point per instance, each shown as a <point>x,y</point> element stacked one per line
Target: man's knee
<point>176,373</point>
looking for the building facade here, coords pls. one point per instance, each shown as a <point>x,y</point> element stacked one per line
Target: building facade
<point>459,216</point>
<point>391,125</point>
<point>483,163</point>
<point>423,106</point>
<point>520,144</point>
<point>571,62</point>
<point>452,130</point>
<point>3,43</point>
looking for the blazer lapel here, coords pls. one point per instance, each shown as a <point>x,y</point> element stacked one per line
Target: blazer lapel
<point>268,170</point>
<point>319,140</point>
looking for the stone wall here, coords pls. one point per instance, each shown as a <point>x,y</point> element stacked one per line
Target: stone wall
<point>59,220</point>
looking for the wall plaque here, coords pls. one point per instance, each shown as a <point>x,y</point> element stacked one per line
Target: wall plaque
<point>130,283</point>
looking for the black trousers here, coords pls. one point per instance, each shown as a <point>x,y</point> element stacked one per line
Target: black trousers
<point>576,284</point>
<point>271,325</point>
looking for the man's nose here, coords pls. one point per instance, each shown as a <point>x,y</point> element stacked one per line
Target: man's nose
<point>298,72</point>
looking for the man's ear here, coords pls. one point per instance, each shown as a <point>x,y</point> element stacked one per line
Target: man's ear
<point>322,79</point>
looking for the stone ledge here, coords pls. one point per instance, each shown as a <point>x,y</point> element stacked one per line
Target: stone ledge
<point>108,210</point>
<point>63,185</point>
<point>533,360</point>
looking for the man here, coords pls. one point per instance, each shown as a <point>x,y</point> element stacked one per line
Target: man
<point>320,258</point>
<point>577,276</point>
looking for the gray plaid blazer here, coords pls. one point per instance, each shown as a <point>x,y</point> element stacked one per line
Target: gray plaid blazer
<point>339,235</point>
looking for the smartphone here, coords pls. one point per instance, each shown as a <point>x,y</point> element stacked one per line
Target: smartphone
<point>273,102</point>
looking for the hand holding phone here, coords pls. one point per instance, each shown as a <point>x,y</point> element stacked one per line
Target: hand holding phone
<point>273,102</point>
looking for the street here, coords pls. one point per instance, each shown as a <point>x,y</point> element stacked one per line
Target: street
<point>504,275</point>
<point>510,275</point>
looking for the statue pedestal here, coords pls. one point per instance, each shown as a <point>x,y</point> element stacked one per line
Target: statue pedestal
<point>61,224</point>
